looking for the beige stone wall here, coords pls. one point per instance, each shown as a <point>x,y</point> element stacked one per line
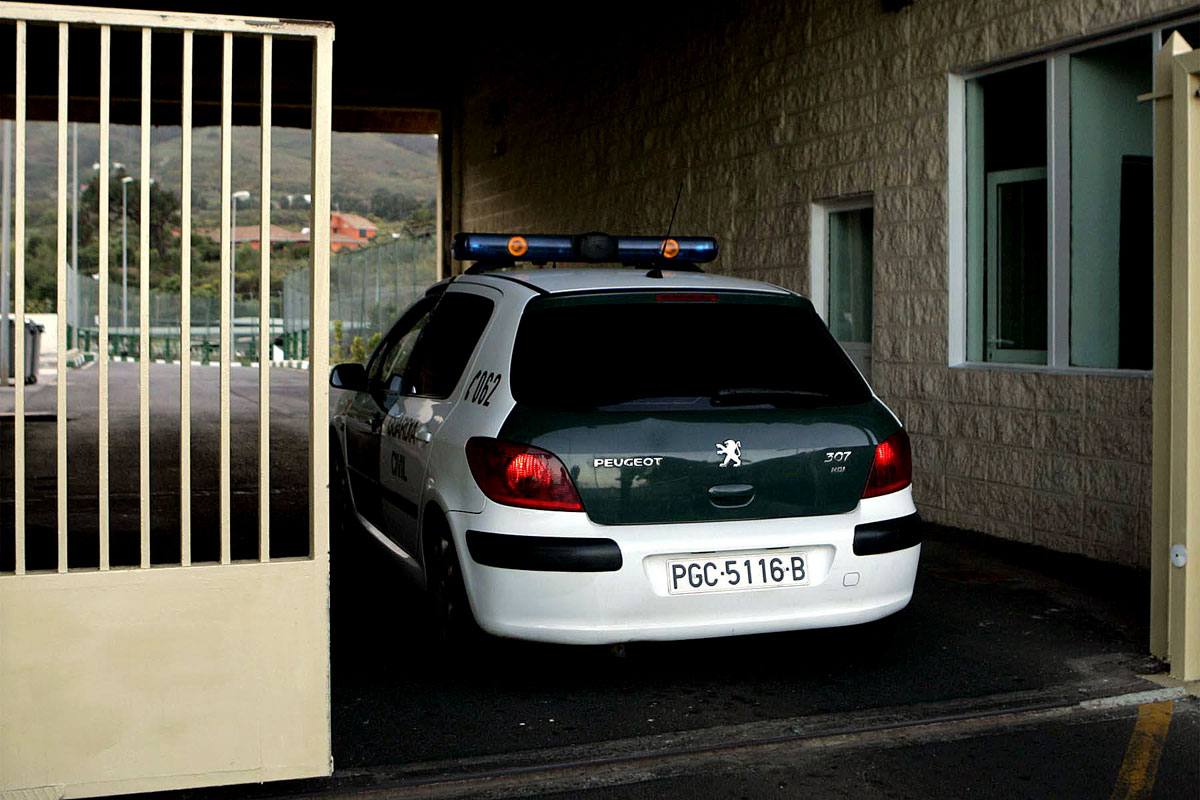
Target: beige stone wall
<point>760,110</point>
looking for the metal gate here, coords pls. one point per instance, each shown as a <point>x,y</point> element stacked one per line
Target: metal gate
<point>158,676</point>
<point>1175,538</point>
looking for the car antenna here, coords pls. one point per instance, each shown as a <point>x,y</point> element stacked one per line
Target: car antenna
<point>656,272</point>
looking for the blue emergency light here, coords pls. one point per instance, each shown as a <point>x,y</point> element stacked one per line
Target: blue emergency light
<point>588,248</point>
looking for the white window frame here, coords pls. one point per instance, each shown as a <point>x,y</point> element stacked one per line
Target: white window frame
<point>1058,188</point>
<point>818,247</point>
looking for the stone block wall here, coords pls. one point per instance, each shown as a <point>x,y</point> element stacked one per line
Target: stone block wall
<point>759,109</point>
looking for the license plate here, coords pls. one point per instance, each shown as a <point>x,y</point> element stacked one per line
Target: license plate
<point>732,572</point>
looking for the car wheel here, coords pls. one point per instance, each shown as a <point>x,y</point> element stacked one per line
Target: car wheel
<point>454,624</point>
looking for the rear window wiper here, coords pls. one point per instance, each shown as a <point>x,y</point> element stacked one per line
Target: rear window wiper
<point>752,396</point>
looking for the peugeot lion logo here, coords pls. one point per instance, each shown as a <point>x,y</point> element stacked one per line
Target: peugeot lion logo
<point>732,450</point>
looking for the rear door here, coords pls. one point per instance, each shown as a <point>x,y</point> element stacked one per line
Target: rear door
<point>428,392</point>
<point>367,412</point>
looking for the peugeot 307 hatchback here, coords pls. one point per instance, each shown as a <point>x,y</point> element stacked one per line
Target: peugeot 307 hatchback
<point>641,451</point>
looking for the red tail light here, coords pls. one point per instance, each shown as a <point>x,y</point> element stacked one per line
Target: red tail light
<point>521,475</point>
<point>892,468</point>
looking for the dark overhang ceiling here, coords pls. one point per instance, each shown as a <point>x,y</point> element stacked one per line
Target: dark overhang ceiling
<point>387,74</point>
<point>395,65</point>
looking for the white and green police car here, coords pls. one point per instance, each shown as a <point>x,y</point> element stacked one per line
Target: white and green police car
<point>625,451</point>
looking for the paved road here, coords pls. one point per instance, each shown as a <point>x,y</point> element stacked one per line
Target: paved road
<point>992,683</point>
<point>289,464</point>
<point>1014,673</point>
<point>1074,754</point>
<point>982,628</point>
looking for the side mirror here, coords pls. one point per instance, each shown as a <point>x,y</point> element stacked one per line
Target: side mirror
<point>351,377</point>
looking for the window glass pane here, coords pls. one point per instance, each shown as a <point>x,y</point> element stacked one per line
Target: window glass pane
<point>449,339</point>
<point>386,353</point>
<point>1006,216</point>
<point>395,362</point>
<point>1016,262</point>
<point>850,270</point>
<point>1112,141</point>
<point>676,355</point>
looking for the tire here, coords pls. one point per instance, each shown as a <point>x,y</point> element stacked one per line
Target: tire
<point>453,622</point>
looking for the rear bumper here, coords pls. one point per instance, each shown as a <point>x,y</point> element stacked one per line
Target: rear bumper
<point>543,553</point>
<point>632,602</point>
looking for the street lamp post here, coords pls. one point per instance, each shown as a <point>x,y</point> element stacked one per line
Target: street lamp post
<point>116,165</point>
<point>241,195</point>
<point>73,313</point>
<point>6,165</point>
<point>125,254</point>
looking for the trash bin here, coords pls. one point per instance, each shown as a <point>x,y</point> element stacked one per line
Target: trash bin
<point>33,349</point>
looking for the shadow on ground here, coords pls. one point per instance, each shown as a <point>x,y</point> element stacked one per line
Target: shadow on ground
<point>980,624</point>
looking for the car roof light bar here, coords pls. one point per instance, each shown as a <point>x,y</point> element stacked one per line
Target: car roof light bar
<point>497,250</point>
<point>512,247</point>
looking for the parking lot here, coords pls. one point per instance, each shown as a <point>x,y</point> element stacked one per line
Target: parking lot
<point>289,459</point>
<point>1014,672</point>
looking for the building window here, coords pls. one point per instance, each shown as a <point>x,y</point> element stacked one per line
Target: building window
<point>843,265</point>
<point>1051,202</point>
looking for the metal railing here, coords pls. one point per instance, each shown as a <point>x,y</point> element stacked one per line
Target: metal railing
<point>166,329</point>
<point>368,289</point>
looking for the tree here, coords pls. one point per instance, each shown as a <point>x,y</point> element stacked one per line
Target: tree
<point>164,212</point>
<point>391,205</point>
<point>336,348</point>
<point>358,353</point>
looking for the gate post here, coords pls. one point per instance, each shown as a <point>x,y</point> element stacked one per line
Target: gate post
<point>1175,536</point>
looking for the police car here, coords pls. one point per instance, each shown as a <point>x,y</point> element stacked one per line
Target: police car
<point>624,451</point>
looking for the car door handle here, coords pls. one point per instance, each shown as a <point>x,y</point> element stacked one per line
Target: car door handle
<point>424,435</point>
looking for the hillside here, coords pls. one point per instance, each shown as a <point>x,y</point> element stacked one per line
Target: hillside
<point>363,164</point>
<point>389,177</point>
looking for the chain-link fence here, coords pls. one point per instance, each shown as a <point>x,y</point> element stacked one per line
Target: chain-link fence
<point>124,312</point>
<point>368,289</point>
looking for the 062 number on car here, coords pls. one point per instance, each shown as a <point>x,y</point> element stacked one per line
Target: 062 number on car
<point>482,386</point>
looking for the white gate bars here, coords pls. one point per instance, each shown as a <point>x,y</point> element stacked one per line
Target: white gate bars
<point>265,30</point>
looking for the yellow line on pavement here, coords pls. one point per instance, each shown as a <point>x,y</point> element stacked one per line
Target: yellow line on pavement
<point>1138,770</point>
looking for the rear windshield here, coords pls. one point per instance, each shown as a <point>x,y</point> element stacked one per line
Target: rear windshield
<point>673,351</point>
